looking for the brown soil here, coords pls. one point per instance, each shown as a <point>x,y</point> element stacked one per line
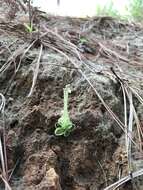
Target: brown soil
<point>93,155</point>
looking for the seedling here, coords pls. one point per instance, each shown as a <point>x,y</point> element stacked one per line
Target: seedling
<point>83,40</point>
<point>64,125</point>
<point>29,27</point>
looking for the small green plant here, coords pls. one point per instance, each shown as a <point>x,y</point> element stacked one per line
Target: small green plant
<point>29,27</point>
<point>83,40</point>
<point>64,125</point>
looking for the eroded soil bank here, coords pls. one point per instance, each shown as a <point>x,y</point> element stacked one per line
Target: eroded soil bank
<point>90,55</point>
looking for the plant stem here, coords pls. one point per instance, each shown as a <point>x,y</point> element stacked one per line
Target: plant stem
<point>66,91</point>
<point>30,13</point>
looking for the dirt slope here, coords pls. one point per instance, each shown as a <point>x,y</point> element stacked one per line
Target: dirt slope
<point>95,56</point>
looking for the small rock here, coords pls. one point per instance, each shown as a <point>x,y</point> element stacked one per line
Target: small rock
<point>51,181</point>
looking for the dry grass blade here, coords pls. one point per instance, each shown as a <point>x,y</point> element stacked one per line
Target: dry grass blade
<point>127,134</point>
<point>125,115</point>
<point>130,130</point>
<point>2,105</point>
<point>137,95</point>
<point>2,159</point>
<point>16,58</point>
<point>129,126</point>
<point>112,53</point>
<point>36,71</point>
<point>23,55</point>
<point>12,171</point>
<point>104,174</point>
<point>123,180</point>
<point>139,129</point>
<point>3,155</point>
<point>60,43</point>
<point>3,164</point>
<point>137,121</point>
<point>12,58</point>
<point>128,93</point>
<point>18,53</point>
<point>7,186</point>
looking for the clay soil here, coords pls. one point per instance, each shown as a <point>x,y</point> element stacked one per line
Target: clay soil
<point>92,55</point>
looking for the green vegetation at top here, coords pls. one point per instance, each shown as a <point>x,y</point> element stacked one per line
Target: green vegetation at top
<point>107,10</point>
<point>134,10</point>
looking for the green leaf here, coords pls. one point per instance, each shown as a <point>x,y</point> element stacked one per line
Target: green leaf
<point>59,131</point>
